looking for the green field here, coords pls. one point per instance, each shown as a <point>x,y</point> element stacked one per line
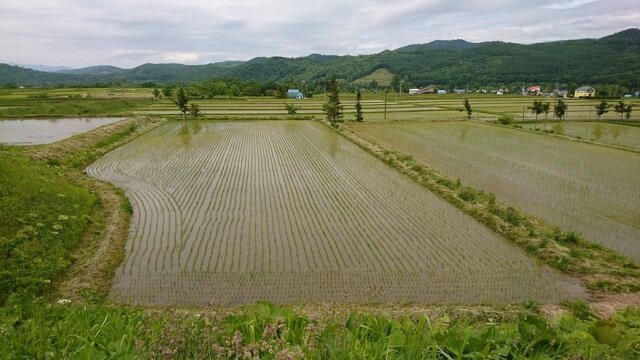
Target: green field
<point>118,101</point>
<point>288,211</point>
<point>398,107</point>
<point>576,186</point>
<point>67,249</point>
<point>623,135</point>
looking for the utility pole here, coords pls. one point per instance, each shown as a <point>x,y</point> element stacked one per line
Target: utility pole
<point>395,109</point>
<point>385,103</point>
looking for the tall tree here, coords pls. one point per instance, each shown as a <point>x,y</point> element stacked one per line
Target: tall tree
<point>560,109</point>
<point>332,108</point>
<point>545,109</point>
<point>359,116</point>
<point>182,100</point>
<point>194,110</point>
<point>602,108</point>
<point>537,108</point>
<point>467,108</point>
<point>620,108</point>
<point>156,94</point>
<point>167,91</point>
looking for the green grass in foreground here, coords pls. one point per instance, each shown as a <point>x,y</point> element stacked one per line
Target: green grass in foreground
<point>42,218</point>
<point>44,211</point>
<point>40,330</point>
<point>69,107</point>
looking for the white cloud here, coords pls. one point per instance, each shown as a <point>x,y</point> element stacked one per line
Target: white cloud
<point>181,57</point>
<point>565,5</point>
<point>128,33</point>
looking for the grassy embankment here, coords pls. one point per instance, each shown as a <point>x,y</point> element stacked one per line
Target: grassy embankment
<point>45,105</point>
<point>47,205</point>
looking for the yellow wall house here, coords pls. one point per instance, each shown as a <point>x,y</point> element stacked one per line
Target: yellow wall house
<point>585,91</point>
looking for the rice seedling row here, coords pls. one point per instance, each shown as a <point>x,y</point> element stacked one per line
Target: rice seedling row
<point>288,211</point>
<point>576,186</point>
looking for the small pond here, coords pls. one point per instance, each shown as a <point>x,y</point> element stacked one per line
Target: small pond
<point>45,131</point>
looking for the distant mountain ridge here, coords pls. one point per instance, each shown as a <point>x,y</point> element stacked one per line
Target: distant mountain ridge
<point>613,59</point>
<point>45,68</point>
<point>95,70</point>
<point>457,44</point>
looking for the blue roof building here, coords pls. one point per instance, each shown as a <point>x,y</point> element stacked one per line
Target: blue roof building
<point>295,94</point>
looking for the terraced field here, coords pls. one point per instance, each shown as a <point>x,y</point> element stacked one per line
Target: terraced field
<point>403,107</point>
<point>288,211</point>
<point>577,186</point>
<point>627,136</point>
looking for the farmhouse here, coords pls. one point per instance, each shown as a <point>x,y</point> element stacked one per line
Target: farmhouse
<point>295,94</point>
<point>442,92</point>
<point>534,90</point>
<point>425,90</point>
<point>584,91</point>
<point>560,93</point>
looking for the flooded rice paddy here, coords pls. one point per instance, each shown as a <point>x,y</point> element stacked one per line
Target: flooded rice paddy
<point>627,136</point>
<point>290,212</point>
<point>593,190</point>
<point>46,131</point>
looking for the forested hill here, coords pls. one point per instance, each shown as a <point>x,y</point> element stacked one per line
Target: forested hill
<point>613,59</point>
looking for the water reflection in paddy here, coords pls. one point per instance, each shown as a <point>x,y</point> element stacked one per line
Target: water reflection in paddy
<point>45,131</point>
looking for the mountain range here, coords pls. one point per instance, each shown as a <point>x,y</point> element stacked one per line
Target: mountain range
<point>613,59</point>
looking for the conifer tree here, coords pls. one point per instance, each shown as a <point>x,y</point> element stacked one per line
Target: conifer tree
<point>332,108</point>
<point>359,116</point>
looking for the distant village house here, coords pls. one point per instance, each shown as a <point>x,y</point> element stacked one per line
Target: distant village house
<point>534,90</point>
<point>424,90</point>
<point>295,94</point>
<point>560,93</point>
<point>584,91</point>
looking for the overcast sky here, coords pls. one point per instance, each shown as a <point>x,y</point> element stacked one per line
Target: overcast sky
<point>129,33</point>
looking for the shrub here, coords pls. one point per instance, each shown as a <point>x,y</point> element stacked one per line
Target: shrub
<point>291,109</point>
<point>467,194</point>
<point>569,237</point>
<point>505,119</point>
